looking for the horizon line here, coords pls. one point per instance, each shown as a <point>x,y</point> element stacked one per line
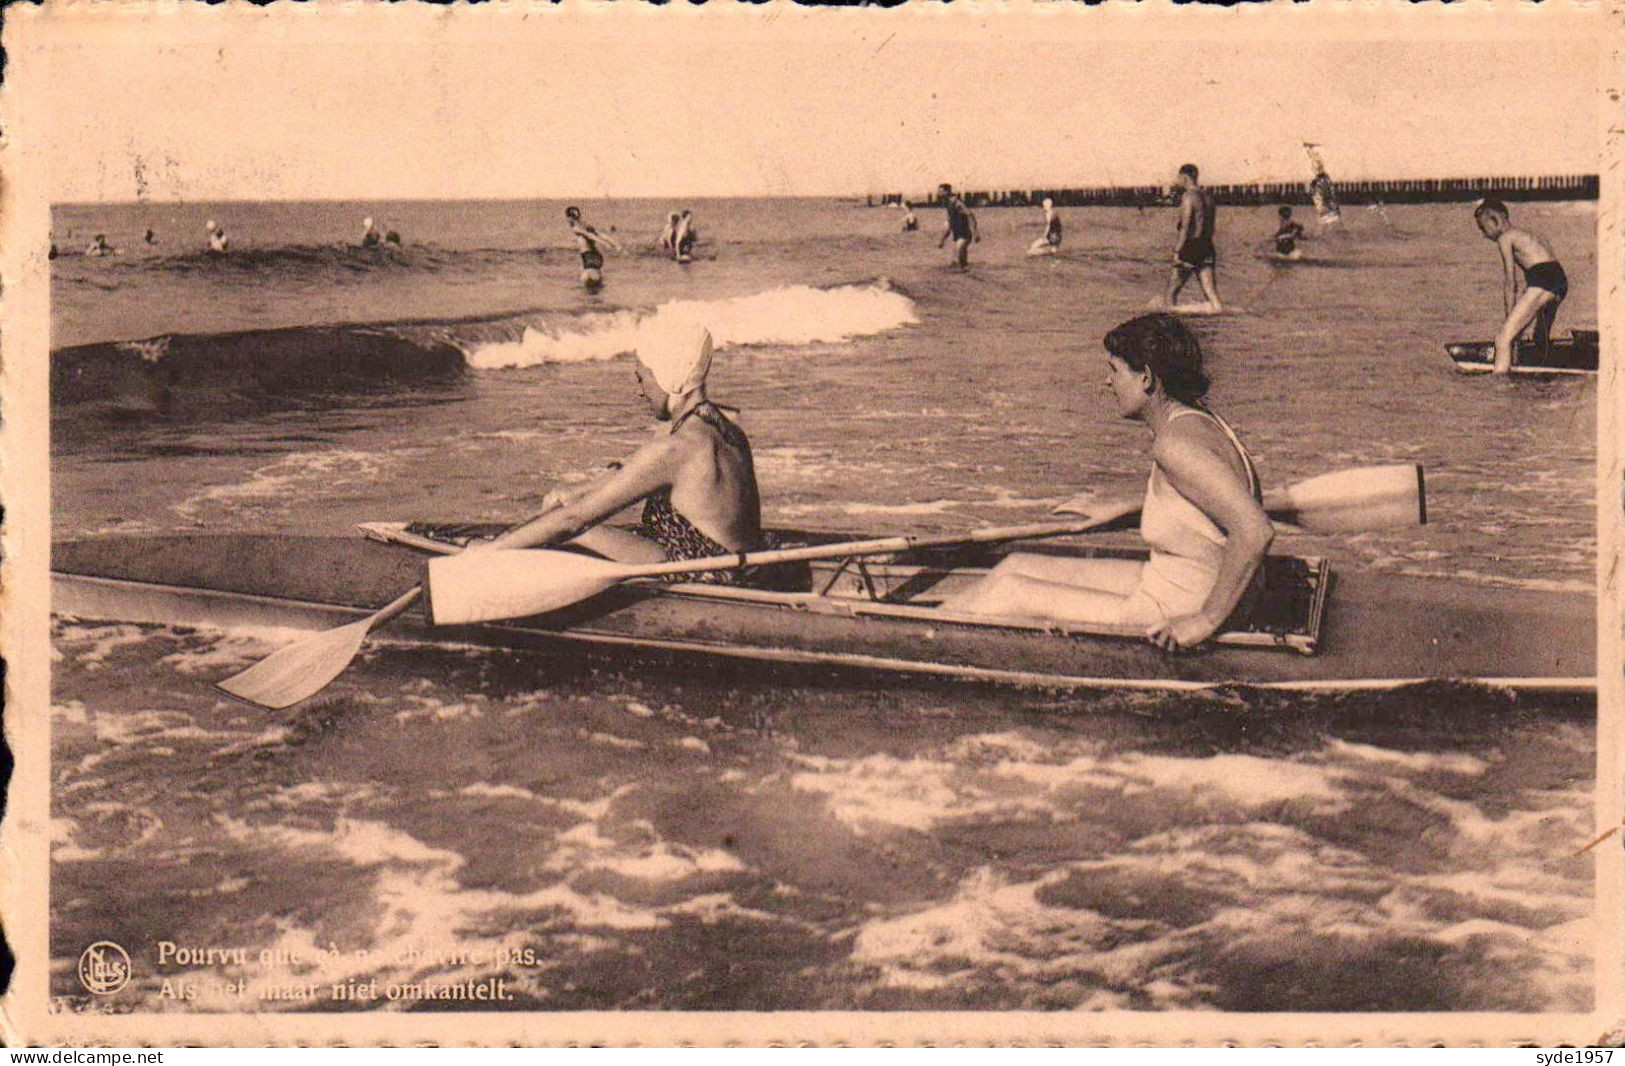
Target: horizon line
<point>969,187</point>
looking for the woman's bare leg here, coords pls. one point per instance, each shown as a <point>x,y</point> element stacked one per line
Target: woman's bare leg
<point>1042,586</point>
<point>1117,576</point>
<point>621,545</point>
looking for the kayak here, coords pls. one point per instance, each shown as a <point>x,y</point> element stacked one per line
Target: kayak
<point>1574,354</point>
<point>1310,628</point>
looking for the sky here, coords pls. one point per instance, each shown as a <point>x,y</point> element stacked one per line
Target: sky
<point>357,102</point>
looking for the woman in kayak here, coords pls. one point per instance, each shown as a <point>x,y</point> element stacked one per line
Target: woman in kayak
<point>1202,517</point>
<point>697,480</point>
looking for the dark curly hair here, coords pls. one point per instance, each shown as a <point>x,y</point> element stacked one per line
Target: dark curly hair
<point>1163,343</point>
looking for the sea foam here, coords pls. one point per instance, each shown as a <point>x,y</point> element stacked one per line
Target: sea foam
<point>795,314</point>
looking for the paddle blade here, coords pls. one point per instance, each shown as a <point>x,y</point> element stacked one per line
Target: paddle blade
<point>1353,501</point>
<point>300,670</point>
<point>488,584</point>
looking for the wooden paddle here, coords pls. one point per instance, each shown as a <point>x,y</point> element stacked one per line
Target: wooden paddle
<point>486,584</point>
<point>1357,500</point>
<point>482,586</point>
<point>308,665</point>
<point>300,670</point>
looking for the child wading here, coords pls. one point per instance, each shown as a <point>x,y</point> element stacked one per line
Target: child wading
<point>1544,283</point>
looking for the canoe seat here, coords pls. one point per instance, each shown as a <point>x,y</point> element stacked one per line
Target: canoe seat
<point>882,581</point>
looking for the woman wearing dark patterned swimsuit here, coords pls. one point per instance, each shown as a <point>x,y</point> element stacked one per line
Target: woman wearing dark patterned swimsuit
<point>697,480</point>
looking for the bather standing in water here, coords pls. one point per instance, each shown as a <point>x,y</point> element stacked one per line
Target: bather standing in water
<point>587,241</point>
<point>1050,242</point>
<point>684,236</point>
<point>961,225</point>
<point>1545,285</point>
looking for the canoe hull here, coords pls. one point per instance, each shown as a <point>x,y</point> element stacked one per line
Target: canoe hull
<point>1379,629</point>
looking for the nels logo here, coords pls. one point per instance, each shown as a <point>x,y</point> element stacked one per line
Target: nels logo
<point>104,968</point>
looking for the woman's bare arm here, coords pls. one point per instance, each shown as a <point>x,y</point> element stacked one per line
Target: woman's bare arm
<point>1212,485</point>
<point>651,468</point>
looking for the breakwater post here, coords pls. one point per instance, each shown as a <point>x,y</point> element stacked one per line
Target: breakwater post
<point>1399,191</point>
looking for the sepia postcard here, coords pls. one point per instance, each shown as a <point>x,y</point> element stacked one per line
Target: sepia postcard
<point>954,524</point>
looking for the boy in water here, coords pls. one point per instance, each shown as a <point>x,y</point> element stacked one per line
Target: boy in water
<point>1195,253</point>
<point>1050,242</point>
<point>587,241</point>
<point>961,225</point>
<point>685,235</point>
<point>1287,236</point>
<point>1544,283</point>
<point>910,221</point>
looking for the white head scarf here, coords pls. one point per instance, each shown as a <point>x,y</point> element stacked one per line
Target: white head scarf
<point>678,356</point>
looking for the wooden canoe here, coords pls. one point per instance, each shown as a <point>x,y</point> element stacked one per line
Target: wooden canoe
<point>1312,630</point>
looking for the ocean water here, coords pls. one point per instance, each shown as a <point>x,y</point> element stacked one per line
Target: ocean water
<point>600,834</point>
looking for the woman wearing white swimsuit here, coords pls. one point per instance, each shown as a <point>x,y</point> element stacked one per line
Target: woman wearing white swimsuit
<point>1202,518</point>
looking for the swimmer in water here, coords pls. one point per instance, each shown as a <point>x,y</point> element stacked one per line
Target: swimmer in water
<point>150,237</point>
<point>1544,283</point>
<point>1050,242</point>
<point>961,225</point>
<point>1287,236</point>
<point>668,236</point>
<point>911,222</point>
<point>370,237</point>
<point>1195,254</point>
<point>217,237</point>
<point>587,241</point>
<point>99,247</point>
<point>685,236</point>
